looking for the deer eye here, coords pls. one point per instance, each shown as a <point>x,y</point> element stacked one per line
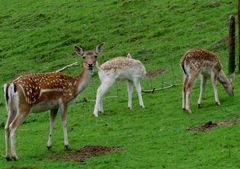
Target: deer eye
<point>95,56</point>
<point>83,57</point>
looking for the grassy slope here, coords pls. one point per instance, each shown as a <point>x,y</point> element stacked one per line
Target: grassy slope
<point>39,37</point>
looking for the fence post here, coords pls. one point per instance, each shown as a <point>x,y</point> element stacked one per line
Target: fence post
<point>239,36</point>
<point>232,44</point>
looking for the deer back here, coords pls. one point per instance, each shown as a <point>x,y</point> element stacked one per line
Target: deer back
<point>200,60</point>
<point>123,67</point>
<point>37,87</point>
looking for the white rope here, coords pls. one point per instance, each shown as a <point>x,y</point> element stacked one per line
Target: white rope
<point>75,64</point>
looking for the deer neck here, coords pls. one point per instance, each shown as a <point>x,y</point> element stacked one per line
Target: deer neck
<point>83,79</point>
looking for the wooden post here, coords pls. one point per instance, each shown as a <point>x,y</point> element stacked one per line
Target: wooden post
<point>232,44</point>
<point>239,36</point>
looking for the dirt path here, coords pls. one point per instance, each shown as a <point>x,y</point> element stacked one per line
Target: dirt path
<point>84,153</point>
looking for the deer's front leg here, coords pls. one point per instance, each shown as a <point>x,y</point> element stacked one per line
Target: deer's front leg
<point>52,118</point>
<point>214,84</point>
<point>101,105</point>
<point>63,111</point>
<point>11,116</point>
<point>105,85</point>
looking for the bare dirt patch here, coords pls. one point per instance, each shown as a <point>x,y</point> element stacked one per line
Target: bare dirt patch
<point>84,153</point>
<point>14,167</point>
<point>209,125</point>
<point>154,73</point>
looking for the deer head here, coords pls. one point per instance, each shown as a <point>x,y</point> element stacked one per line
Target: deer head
<point>227,82</point>
<point>90,56</point>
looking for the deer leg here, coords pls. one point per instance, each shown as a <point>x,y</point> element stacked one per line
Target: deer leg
<point>189,87</point>
<point>130,92</point>
<point>101,105</point>
<point>105,85</point>
<point>214,84</point>
<point>100,108</point>
<point>63,111</point>
<point>139,91</point>
<point>202,89</point>
<point>188,92</point>
<point>11,115</point>
<point>185,79</point>
<point>52,116</point>
<point>19,118</point>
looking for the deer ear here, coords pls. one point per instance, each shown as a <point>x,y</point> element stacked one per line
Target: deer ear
<point>232,77</point>
<point>129,55</point>
<point>99,48</point>
<point>79,51</point>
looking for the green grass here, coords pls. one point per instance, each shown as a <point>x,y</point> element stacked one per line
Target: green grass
<point>38,36</point>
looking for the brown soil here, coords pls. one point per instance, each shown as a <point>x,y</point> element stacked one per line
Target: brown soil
<point>209,125</point>
<point>14,167</point>
<point>84,153</point>
<point>154,73</point>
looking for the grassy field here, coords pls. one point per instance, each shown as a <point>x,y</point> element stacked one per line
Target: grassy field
<point>39,36</point>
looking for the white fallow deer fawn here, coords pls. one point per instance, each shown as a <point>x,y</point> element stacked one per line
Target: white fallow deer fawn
<point>202,62</point>
<point>123,68</point>
<point>45,91</point>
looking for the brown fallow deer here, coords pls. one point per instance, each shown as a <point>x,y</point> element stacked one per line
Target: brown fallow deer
<point>202,62</point>
<point>45,91</point>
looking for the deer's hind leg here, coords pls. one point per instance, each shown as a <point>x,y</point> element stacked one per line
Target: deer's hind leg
<point>19,118</point>
<point>185,79</point>
<point>189,85</point>
<point>202,89</point>
<point>11,116</point>
<point>214,84</point>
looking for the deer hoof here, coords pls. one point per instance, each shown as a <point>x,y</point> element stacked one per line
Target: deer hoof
<point>49,147</point>
<point>142,106</point>
<point>95,114</point>
<point>8,158</point>
<point>218,104</point>
<point>15,158</point>
<point>199,106</point>
<point>67,147</point>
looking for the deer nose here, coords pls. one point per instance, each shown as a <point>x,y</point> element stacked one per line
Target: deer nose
<point>90,65</point>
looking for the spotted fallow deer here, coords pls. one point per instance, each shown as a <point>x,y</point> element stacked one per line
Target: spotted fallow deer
<point>206,64</point>
<point>45,91</point>
<point>123,68</point>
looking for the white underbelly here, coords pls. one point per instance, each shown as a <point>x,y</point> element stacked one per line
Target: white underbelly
<point>44,106</point>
